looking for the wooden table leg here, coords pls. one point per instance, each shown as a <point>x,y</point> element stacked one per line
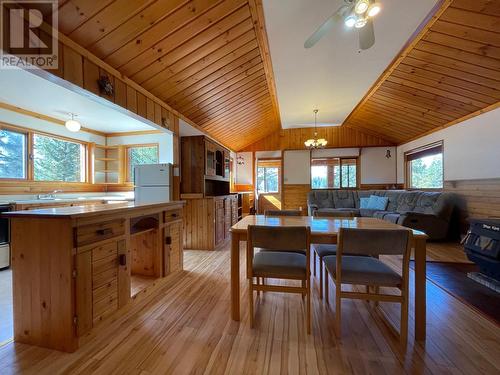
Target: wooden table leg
<point>235,276</point>
<point>420,291</point>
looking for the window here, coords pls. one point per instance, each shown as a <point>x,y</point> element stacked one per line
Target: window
<point>334,173</point>
<point>424,167</point>
<point>13,154</point>
<point>268,176</point>
<point>137,155</point>
<point>56,159</point>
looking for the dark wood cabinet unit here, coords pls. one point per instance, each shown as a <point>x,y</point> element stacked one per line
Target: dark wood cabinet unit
<point>210,209</point>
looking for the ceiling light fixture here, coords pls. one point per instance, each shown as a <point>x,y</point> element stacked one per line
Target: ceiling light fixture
<point>373,10</point>
<point>73,125</point>
<point>315,142</point>
<point>360,22</point>
<point>361,6</point>
<point>350,20</point>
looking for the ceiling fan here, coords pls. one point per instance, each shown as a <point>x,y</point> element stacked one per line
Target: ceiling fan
<point>353,13</point>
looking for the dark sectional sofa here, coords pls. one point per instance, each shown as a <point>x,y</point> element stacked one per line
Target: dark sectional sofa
<point>430,212</point>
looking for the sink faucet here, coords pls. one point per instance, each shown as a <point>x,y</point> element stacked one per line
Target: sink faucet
<point>49,196</point>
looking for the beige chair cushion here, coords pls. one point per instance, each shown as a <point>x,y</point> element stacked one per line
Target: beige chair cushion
<point>363,271</point>
<point>279,265</point>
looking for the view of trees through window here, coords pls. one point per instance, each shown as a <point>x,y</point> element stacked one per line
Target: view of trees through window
<point>141,155</point>
<point>56,159</point>
<point>267,179</point>
<point>427,172</point>
<point>12,154</point>
<point>333,173</point>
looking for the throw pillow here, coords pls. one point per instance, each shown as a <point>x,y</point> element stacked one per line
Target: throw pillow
<point>378,203</point>
<point>363,202</point>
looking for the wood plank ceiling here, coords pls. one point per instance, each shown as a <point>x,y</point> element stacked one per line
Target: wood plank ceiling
<point>208,59</point>
<point>447,73</point>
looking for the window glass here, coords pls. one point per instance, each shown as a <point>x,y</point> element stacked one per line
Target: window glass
<point>268,179</point>
<point>333,173</point>
<point>12,154</point>
<point>138,155</point>
<point>427,172</point>
<point>56,159</point>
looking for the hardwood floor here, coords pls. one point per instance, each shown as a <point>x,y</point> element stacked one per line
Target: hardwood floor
<point>185,327</point>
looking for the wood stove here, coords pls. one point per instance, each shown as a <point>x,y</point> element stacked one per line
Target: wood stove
<point>482,245</point>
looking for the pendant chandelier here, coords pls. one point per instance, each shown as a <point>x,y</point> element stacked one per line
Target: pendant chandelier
<point>315,142</point>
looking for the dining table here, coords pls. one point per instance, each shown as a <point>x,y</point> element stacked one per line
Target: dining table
<point>325,230</point>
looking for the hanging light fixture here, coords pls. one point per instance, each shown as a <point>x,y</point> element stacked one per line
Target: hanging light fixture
<point>315,142</point>
<point>73,125</point>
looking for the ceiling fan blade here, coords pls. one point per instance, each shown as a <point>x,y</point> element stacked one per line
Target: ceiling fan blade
<point>367,36</point>
<point>325,27</point>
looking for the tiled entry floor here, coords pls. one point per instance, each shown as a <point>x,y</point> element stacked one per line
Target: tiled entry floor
<point>5,306</point>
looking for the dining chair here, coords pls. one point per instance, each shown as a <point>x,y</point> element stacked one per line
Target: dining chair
<point>321,251</point>
<point>370,271</point>
<point>280,261</point>
<point>283,213</point>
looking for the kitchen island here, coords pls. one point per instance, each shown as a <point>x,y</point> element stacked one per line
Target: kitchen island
<point>74,267</point>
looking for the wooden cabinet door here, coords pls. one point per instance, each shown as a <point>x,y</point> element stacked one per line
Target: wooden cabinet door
<point>219,221</point>
<point>234,210</point>
<point>210,150</point>
<point>83,270</point>
<point>227,216</point>
<point>172,248</point>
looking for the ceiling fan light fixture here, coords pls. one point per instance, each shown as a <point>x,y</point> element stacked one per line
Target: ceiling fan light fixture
<point>350,20</point>
<point>361,6</point>
<point>360,22</point>
<point>374,9</point>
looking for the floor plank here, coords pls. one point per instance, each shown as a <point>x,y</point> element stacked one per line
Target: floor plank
<point>185,327</point>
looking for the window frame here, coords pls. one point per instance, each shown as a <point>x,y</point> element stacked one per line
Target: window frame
<point>29,157</point>
<point>127,159</point>
<point>340,159</point>
<point>27,145</point>
<point>85,161</point>
<point>418,153</point>
<point>272,163</point>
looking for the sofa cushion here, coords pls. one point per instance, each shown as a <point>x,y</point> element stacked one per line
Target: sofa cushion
<point>366,212</point>
<point>377,203</point>
<point>343,199</point>
<point>407,201</point>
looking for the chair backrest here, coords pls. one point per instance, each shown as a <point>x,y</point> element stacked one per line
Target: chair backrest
<point>374,241</point>
<point>279,238</point>
<point>283,213</point>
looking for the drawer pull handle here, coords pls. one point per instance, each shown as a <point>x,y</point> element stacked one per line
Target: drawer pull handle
<point>174,215</point>
<point>105,231</point>
<point>168,240</point>
<point>122,259</point>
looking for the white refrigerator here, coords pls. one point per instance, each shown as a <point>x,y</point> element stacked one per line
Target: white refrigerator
<point>152,183</point>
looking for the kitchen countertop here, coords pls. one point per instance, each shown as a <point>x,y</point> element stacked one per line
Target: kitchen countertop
<point>87,210</point>
<point>109,198</point>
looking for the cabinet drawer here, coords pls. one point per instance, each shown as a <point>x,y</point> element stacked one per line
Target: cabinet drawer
<point>104,307</point>
<point>97,232</point>
<point>103,251</point>
<point>105,277</point>
<point>107,290</point>
<point>172,215</point>
<point>105,264</point>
